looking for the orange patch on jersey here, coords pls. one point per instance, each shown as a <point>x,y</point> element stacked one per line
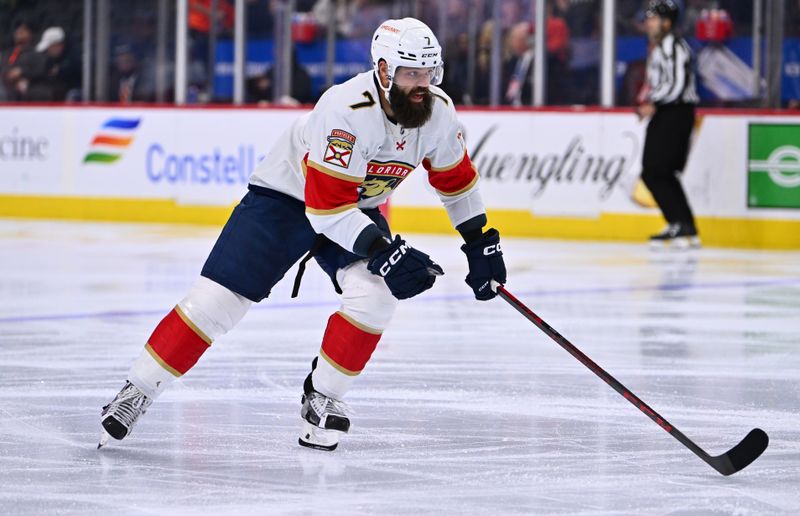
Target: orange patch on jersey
<point>343,135</point>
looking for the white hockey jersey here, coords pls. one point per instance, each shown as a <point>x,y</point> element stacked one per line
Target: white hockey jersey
<point>346,154</point>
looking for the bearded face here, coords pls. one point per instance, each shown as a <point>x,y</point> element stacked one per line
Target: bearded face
<point>411,108</point>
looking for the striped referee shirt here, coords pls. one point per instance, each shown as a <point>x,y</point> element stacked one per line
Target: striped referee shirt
<point>670,72</point>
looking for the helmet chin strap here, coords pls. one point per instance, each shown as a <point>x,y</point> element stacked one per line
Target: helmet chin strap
<point>380,85</point>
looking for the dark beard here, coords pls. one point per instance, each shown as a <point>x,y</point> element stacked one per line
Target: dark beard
<point>410,114</point>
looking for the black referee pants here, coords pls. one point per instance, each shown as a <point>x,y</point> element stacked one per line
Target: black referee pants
<point>666,147</point>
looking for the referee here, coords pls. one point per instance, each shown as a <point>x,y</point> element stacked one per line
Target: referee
<point>670,100</point>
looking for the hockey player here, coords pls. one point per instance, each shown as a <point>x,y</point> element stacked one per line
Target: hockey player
<point>318,192</point>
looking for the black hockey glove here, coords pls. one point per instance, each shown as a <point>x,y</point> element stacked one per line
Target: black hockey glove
<point>485,259</point>
<point>406,271</point>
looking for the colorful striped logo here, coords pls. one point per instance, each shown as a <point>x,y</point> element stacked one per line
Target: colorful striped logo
<point>115,135</point>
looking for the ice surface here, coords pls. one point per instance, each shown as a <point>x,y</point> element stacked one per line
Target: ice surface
<point>465,408</point>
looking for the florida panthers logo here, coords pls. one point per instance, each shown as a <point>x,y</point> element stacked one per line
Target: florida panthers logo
<point>375,186</point>
<point>383,177</point>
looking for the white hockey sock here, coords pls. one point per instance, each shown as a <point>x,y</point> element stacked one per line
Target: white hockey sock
<point>149,376</point>
<point>330,381</point>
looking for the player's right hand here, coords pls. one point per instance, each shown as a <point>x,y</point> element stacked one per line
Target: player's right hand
<point>406,271</point>
<point>485,259</point>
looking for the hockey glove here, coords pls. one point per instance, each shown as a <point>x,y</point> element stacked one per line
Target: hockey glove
<point>485,260</point>
<point>406,271</point>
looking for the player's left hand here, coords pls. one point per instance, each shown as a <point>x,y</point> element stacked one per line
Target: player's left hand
<point>485,258</point>
<point>645,110</point>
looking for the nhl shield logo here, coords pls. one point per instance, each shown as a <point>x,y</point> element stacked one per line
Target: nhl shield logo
<point>340,148</point>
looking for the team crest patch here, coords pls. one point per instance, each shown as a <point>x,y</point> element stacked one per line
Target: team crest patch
<point>340,148</point>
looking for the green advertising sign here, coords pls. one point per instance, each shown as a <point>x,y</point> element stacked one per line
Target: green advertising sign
<point>773,166</point>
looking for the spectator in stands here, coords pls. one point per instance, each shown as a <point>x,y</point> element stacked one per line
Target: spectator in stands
<point>517,68</point>
<point>456,76</point>
<point>511,12</point>
<point>129,83</point>
<point>62,71</point>
<point>355,18</point>
<point>558,55</point>
<point>324,10</point>
<point>483,66</point>
<point>629,17</point>
<point>21,63</point>
<point>260,89</point>
<point>694,9</point>
<point>260,19</point>
<point>582,17</point>
<point>201,19</point>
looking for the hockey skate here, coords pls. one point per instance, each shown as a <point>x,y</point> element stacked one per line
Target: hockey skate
<point>324,420</point>
<point>676,236</point>
<point>119,416</point>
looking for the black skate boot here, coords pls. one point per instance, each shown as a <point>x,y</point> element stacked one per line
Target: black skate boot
<point>119,416</point>
<point>324,418</point>
<point>676,235</point>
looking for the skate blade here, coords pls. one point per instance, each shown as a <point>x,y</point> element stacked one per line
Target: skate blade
<point>676,244</point>
<point>104,437</point>
<point>682,243</point>
<point>315,446</point>
<point>318,438</point>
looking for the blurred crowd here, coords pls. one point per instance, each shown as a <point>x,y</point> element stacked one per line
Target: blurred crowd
<point>39,71</point>
<point>40,43</point>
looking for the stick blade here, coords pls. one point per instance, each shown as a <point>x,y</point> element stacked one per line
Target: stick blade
<point>741,455</point>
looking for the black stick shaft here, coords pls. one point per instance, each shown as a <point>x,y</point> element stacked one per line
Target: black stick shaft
<point>599,371</point>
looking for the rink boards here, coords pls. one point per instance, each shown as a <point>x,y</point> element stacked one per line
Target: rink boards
<point>548,173</point>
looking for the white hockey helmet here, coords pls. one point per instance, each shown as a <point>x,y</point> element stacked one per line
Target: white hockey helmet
<point>407,42</point>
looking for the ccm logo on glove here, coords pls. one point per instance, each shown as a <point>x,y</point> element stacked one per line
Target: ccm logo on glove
<point>393,259</point>
<point>492,249</point>
<point>406,271</point>
<point>485,259</point>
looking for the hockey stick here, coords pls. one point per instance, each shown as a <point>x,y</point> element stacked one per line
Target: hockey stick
<point>735,459</point>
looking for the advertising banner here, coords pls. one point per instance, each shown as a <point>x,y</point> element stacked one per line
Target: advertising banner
<point>560,168</point>
<point>200,157</point>
<point>773,172</point>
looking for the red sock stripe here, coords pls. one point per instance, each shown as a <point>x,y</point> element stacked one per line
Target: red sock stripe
<point>346,346</point>
<point>176,343</point>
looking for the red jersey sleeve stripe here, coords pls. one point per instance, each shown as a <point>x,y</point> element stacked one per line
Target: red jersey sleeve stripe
<point>333,173</point>
<point>447,168</point>
<point>454,180</point>
<point>326,193</point>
